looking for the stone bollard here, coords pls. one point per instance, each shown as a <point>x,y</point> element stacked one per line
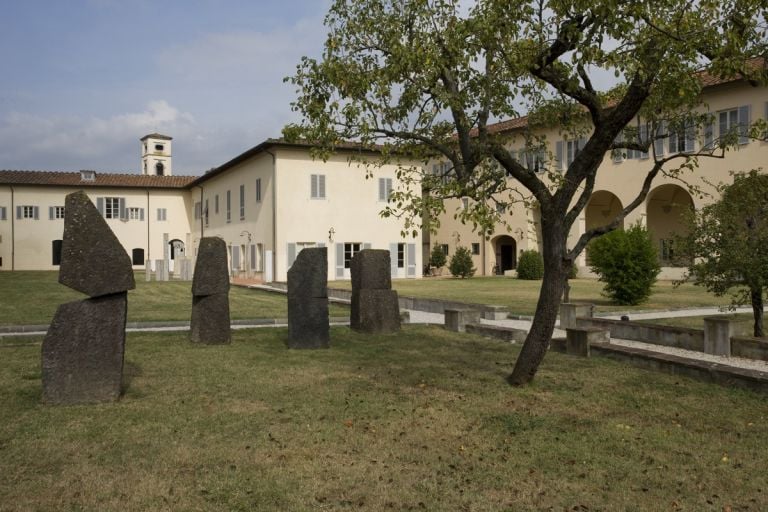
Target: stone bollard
<point>718,331</point>
<point>457,319</point>
<point>578,339</point>
<point>570,311</point>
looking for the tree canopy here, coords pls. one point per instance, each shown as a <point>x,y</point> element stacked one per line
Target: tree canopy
<point>429,78</point>
<point>727,244</point>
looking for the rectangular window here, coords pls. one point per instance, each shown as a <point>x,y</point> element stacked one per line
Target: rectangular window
<point>162,214</point>
<point>350,249</point>
<point>735,120</point>
<point>566,152</point>
<point>534,160</point>
<point>242,202</point>
<point>258,190</point>
<point>111,207</point>
<point>475,248</point>
<point>400,255</point>
<point>27,212</point>
<point>229,206</point>
<point>135,213</point>
<point>3,213</point>
<point>443,171</point>
<point>205,212</point>
<point>317,186</point>
<point>667,250</point>
<point>385,189</point>
<point>216,204</point>
<point>198,210</point>
<point>682,139</point>
<point>444,247</point>
<point>56,212</point>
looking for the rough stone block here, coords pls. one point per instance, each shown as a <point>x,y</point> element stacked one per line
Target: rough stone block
<point>210,322</point>
<point>570,311</point>
<point>308,276</point>
<point>211,275</point>
<point>308,325</point>
<point>93,260</point>
<point>370,269</point>
<point>378,311</point>
<point>82,353</point>
<point>161,270</point>
<point>457,319</point>
<point>717,335</point>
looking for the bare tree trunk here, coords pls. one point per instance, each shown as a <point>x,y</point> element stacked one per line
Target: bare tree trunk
<point>537,342</point>
<point>757,310</point>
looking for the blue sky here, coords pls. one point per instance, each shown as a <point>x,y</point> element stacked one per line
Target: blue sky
<point>83,80</point>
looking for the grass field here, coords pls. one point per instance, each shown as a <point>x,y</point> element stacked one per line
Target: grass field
<point>31,298</point>
<point>521,296</point>
<point>422,420</point>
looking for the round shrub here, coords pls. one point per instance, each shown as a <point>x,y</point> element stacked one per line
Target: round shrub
<point>626,262</point>
<point>530,265</point>
<point>461,263</point>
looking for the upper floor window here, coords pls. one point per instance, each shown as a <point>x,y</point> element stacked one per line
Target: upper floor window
<point>258,190</point>
<point>27,212</point>
<point>162,214</point>
<point>317,186</point>
<point>443,170</point>
<point>198,210</point>
<point>566,152</point>
<point>682,139</point>
<point>135,213</point>
<point>3,213</point>
<point>229,205</point>
<point>242,202</point>
<point>735,120</point>
<point>111,207</point>
<point>385,189</point>
<point>56,212</point>
<point>216,204</point>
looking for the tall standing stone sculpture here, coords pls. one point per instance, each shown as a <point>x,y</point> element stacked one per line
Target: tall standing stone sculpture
<point>375,307</point>
<point>308,300</point>
<point>210,294</point>
<point>83,351</point>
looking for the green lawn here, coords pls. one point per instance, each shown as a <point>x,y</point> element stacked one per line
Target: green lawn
<point>521,296</point>
<point>31,298</point>
<point>422,420</point>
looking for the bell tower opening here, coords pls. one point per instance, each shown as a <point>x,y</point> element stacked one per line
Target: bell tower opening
<point>156,155</point>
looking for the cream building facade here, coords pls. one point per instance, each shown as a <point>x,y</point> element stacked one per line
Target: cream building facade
<point>267,204</point>
<point>731,103</point>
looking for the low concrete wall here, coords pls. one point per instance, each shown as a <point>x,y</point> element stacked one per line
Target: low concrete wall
<point>750,348</point>
<point>501,333</point>
<point>712,372</point>
<point>668,336</point>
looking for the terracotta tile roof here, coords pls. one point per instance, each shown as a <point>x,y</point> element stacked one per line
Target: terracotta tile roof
<point>156,136</point>
<point>102,179</point>
<point>707,80</point>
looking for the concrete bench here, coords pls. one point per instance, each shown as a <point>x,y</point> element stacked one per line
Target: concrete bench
<point>457,319</point>
<point>578,339</point>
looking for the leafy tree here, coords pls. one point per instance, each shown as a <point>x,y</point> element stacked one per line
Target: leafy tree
<point>530,266</point>
<point>461,263</point>
<point>426,79</point>
<point>627,263</point>
<point>437,258</point>
<point>727,244</point>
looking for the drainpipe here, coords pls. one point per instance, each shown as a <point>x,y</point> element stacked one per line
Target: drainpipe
<point>482,253</point>
<point>274,214</point>
<point>12,213</point>
<point>147,258</point>
<point>202,214</point>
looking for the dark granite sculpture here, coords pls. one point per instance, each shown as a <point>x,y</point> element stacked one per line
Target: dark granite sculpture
<point>308,300</point>
<point>375,307</point>
<point>83,351</point>
<point>210,290</point>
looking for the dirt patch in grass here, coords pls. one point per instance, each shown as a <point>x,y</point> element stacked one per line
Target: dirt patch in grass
<point>421,420</point>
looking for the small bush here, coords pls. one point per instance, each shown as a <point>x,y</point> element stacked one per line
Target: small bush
<point>461,263</point>
<point>626,262</point>
<point>437,258</point>
<point>530,266</point>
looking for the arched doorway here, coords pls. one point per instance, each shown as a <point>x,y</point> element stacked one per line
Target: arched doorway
<point>505,249</point>
<point>602,208</point>
<point>665,208</point>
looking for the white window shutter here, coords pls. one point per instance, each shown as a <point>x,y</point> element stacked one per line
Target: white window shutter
<point>2,212</point>
<point>382,187</point>
<point>644,140</point>
<point>36,210</point>
<point>393,259</point>
<point>559,155</point>
<point>50,213</point>
<point>367,245</point>
<point>253,256</point>
<point>411,257</point>
<point>744,121</point>
<point>19,212</point>
<point>313,186</point>
<point>235,257</point>
<point>123,211</point>
<point>339,261</point>
<point>709,135</point>
<point>658,143</point>
<point>100,205</point>
<point>690,137</point>
<point>291,252</point>
<point>321,185</point>
<point>141,214</point>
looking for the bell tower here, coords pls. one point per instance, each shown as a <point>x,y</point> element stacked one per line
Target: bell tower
<point>156,155</point>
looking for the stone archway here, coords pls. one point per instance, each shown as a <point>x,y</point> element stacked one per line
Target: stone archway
<point>665,208</point>
<point>177,248</point>
<point>505,248</point>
